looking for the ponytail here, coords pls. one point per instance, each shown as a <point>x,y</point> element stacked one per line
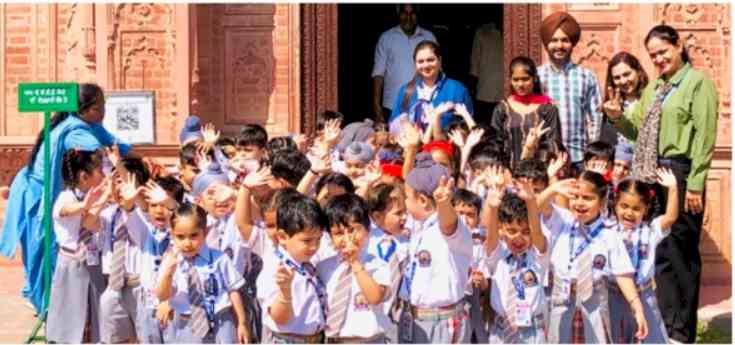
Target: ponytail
<point>76,161</point>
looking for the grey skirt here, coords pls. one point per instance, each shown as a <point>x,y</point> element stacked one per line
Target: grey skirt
<point>75,298</point>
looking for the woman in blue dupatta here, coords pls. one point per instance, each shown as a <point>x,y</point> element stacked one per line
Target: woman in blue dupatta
<point>24,216</point>
<point>428,90</point>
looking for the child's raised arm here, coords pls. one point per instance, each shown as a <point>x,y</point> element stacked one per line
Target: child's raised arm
<point>243,207</point>
<point>164,290</point>
<point>525,192</point>
<point>667,179</point>
<point>489,216</point>
<point>446,214</point>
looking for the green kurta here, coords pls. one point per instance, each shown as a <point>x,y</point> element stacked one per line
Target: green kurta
<point>688,123</point>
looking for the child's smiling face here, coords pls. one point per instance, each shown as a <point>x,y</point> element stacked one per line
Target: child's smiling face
<point>187,236</point>
<point>517,236</point>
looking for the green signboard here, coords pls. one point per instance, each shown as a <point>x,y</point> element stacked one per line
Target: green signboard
<point>37,97</point>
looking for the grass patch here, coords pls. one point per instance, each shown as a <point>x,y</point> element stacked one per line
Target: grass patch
<point>712,335</point>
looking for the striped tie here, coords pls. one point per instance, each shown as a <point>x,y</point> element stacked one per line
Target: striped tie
<point>339,302</point>
<point>118,257</point>
<point>199,323</point>
<point>395,265</point>
<point>510,330</point>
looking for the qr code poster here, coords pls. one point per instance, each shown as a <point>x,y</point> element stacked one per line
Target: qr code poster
<point>130,116</point>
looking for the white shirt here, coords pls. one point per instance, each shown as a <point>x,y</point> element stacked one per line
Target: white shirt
<point>440,265</point>
<point>501,266</point>
<point>486,63</point>
<point>67,228</point>
<point>362,319</point>
<point>110,217</point>
<point>642,242</point>
<point>152,243</point>
<point>308,316</point>
<point>231,243</point>
<point>607,248</point>
<point>394,60</point>
<point>378,244</point>
<point>213,268</point>
<point>478,257</point>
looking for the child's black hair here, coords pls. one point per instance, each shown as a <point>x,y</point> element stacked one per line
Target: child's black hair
<point>225,141</point>
<point>482,157</point>
<point>290,165</point>
<point>188,153</point>
<point>533,170</point>
<point>298,213</point>
<point>75,161</point>
<point>188,209</point>
<point>276,198</point>
<point>512,209</point>
<point>252,134</point>
<point>458,123</point>
<point>597,181</point>
<point>347,208</point>
<point>327,115</point>
<point>464,196</point>
<point>599,150</point>
<point>337,179</point>
<point>172,186</point>
<point>643,190</point>
<point>137,167</point>
<point>380,196</point>
<point>279,143</point>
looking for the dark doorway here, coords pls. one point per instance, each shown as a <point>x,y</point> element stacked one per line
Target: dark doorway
<point>360,26</point>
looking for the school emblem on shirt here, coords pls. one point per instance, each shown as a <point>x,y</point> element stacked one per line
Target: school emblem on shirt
<point>361,302</point>
<point>599,261</point>
<point>529,278</point>
<point>424,258</point>
<point>628,244</point>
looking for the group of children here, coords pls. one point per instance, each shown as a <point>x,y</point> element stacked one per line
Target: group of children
<point>356,236</point>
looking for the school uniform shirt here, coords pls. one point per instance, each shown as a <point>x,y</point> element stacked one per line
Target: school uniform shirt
<point>362,319</point>
<point>260,244</point>
<point>217,274</point>
<point>529,268</point>
<point>479,257</point>
<point>306,288</point>
<point>610,257</point>
<point>67,228</point>
<point>110,218</point>
<point>152,244</point>
<point>641,244</point>
<point>439,269</point>
<point>379,242</point>
<point>230,241</point>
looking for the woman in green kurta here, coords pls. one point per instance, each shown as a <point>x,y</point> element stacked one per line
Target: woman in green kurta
<point>674,124</point>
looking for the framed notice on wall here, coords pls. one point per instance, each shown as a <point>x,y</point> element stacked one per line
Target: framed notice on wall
<point>130,115</point>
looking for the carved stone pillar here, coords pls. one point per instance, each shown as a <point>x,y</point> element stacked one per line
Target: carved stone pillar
<point>521,33</point>
<point>318,62</point>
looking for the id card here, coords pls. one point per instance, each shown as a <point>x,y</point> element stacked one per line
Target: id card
<point>563,291</point>
<point>523,314</point>
<point>93,254</point>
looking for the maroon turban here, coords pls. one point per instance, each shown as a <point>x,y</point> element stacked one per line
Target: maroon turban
<point>562,20</point>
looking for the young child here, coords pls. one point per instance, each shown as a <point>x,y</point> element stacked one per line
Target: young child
<point>586,251</point>
<point>517,264</point>
<point>357,156</point>
<point>387,208</point>
<point>188,167</point>
<point>295,302</point>
<point>73,312</point>
<point>251,142</point>
<point>468,206</point>
<point>599,157</point>
<point>331,185</point>
<point>120,257</point>
<point>441,257</point>
<point>622,164</point>
<point>357,282</point>
<point>201,284</point>
<point>632,204</point>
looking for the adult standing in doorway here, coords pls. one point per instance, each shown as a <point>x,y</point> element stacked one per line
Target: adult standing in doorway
<point>573,88</point>
<point>82,130</point>
<point>486,65</point>
<point>394,65</point>
<point>675,124</point>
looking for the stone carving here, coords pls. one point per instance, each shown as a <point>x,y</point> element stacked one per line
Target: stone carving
<point>591,54</point>
<point>13,158</point>
<point>250,78</point>
<point>690,13</point>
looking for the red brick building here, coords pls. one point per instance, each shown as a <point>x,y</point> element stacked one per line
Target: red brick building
<point>278,64</point>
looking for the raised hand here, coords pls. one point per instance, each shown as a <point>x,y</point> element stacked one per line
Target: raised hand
<point>113,154</point>
<point>474,137</point>
<point>94,195</point>
<point>461,110</point>
<point>444,191</point>
<point>557,164</point>
<point>567,188</point>
<point>332,132</point>
<point>666,177</point>
<point>535,134</point>
<point>441,109</point>
<point>203,160</point>
<point>129,189</point>
<point>155,193</point>
<point>210,135</point>
<point>284,277</point>
<point>613,107</point>
<point>495,182</point>
<point>524,189</point>
<point>410,135</point>
<point>457,138</point>
<point>302,142</point>
<point>257,178</point>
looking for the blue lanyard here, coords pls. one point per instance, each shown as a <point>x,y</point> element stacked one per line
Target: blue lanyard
<point>211,289</point>
<point>313,279</point>
<point>391,249</point>
<point>586,240</point>
<point>519,265</point>
<point>159,247</point>
<point>113,222</point>
<point>636,254</point>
